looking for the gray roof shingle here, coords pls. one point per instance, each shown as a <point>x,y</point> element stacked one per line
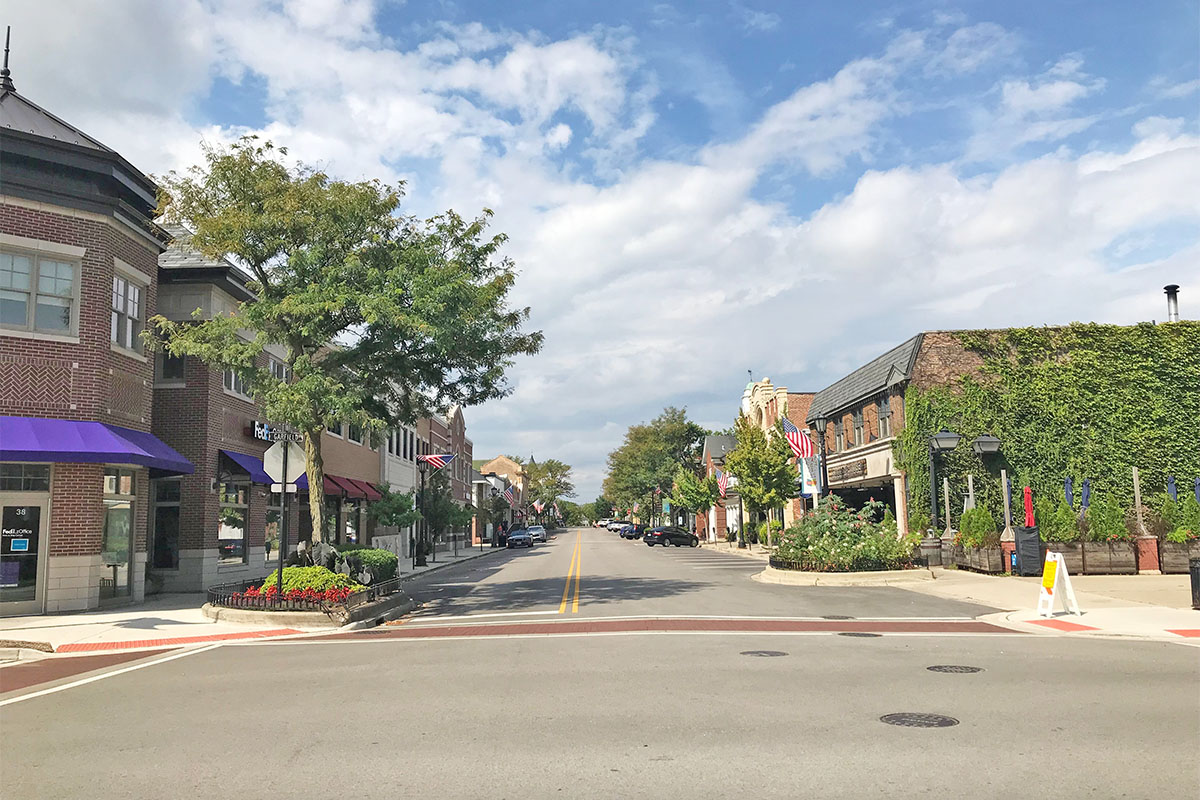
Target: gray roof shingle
<point>18,113</point>
<point>867,380</point>
<point>717,446</point>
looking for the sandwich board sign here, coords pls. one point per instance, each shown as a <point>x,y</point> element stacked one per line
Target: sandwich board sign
<point>1056,582</point>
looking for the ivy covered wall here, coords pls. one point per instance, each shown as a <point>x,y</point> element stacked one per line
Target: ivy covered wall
<point>1084,401</point>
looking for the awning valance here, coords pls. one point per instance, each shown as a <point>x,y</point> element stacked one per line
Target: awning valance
<point>338,486</point>
<point>368,490</point>
<point>251,465</point>
<point>80,441</point>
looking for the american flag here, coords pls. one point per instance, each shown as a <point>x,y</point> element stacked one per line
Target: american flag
<point>437,461</point>
<point>538,505</point>
<point>508,495</point>
<point>802,446</point>
<point>722,482</point>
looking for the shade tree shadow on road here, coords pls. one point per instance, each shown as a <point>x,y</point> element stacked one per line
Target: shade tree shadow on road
<point>474,597</point>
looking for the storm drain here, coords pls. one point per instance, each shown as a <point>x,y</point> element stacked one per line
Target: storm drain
<point>835,616</point>
<point>860,634</point>
<point>909,719</point>
<point>764,653</point>
<point>956,669</point>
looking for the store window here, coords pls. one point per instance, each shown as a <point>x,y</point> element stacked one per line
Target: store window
<point>116,549</point>
<point>24,478</point>
<point>353,521</point>
<point>166,524</point>
<point>236,384</point>
<point>126,314</point>
<point>37,293</point>
<point>884,409</point>
<point>231,531</point>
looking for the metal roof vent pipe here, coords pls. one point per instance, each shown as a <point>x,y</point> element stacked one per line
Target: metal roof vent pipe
<point>1172,292</point>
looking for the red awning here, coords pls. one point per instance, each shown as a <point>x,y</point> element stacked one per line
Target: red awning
<point>367,489</point>
<point>348,487</point>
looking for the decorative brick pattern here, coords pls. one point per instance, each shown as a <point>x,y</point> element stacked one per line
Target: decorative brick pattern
<point>47,383</point>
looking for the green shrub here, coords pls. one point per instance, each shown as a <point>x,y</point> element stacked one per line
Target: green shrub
<point>1056,523</point>
<point>317,578</point>
<point>979,528</point>
<point>730,536</point>
<point>382,564</point>
<point>835,538</point>
<point>1106,520</point>
<point>1168,511</point>
<point>1189,516</point>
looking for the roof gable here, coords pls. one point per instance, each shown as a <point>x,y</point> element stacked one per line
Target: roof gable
<point>891,368</point>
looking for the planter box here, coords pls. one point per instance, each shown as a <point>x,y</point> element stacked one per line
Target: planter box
<point>959,558</point>
<point>1109,558</point>
<point>985,559</point>
<point>1173,556</point>
<point>1072,553</point>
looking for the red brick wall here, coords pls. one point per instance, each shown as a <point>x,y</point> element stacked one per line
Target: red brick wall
<point>76,509</point>
<point>87,380</point>
<point>941,360</point>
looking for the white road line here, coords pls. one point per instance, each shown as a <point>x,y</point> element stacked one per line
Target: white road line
<point>481,616</point>
<point>629,618</point>
<point>580,635</point>
<point>101,677</point>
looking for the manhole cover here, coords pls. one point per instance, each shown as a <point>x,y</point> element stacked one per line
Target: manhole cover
<point>910,719</point>
<point>835,616</point>
<point>764,653</point>
<point>957,669</point>
<point>860,634</point>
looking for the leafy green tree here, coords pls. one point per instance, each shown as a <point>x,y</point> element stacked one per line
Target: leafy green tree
<point>693,493</point>
<point>766,479</point>
<point>572,513</point>
<point>394,509</point>
<point>549,480</point>
<point>383,318</point>
<point>600,508</point>
<point>649,456</point>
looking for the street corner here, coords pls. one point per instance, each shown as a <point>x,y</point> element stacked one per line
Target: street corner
<point>1150,624</point>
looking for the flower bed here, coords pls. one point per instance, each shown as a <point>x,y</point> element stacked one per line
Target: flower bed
<point>835,538</point>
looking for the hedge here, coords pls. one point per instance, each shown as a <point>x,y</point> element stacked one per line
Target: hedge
<point>382,564</point>
<point>317,578</point>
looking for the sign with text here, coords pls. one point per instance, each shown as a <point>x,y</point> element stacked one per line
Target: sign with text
<point>272,433</point>
<point>847,472</point>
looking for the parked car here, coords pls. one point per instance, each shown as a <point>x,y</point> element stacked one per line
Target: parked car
<point>633,531</point>
<point>670,535</point>
<point>617,524</point>
<point>537,533</point>
<point>519,537</point>
<point>602,523</point>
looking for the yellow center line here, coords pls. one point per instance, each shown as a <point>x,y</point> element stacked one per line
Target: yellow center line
<point>578,572</point>
<point>562,607</point>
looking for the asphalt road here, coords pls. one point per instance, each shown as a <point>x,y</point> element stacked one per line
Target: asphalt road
<point>633,713</point>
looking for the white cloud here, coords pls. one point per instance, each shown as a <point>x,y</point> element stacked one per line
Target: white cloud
<point>755,21</point>
<point>661,280</point>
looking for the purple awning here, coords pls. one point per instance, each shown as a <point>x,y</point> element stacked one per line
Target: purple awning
<point>79,441</point>
<point>251,465</point>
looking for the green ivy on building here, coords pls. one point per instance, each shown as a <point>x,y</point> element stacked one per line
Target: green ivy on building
<point>1082,401</point>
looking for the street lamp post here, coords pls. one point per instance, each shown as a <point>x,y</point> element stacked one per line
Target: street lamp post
<point>942,442</point>
<point>421,562</point>
<point>821,422</point>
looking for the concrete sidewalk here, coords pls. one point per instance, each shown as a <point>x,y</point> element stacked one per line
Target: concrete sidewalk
<point>164,620</point>
<point>1143,606</point>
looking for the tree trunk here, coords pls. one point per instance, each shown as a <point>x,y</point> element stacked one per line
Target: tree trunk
<point>316,484</point>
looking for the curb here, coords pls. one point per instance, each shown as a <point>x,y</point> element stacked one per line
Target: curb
<point>312,620</point>
<point>882,578</point>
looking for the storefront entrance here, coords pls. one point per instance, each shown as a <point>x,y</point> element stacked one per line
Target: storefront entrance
<point>23,540</point>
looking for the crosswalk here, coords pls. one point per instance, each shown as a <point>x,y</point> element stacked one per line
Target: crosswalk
<point>702,559</point>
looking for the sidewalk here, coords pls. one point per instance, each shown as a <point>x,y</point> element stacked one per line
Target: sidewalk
<point>165,620</point>
<point>759,553</point>
<point>1143,606</point>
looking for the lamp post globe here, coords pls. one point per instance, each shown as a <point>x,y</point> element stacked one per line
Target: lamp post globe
<point>941,442</point>
<point>985,445</point>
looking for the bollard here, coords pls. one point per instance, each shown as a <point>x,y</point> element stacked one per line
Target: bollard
<point>1194,571</point>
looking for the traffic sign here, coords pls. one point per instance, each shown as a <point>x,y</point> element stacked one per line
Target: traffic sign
<point>275,459</point>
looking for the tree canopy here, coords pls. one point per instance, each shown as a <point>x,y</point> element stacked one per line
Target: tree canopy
<point>649,456</point>
<point>382,318</point>
<point>766,479</point>
<point>549,480</point>
<point>692,492</point>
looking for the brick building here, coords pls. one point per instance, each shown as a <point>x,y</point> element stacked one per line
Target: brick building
<point>713,524</point>
<point>862,413</point>
<point>78,277</point>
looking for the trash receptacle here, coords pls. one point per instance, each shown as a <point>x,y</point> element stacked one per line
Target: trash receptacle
<point>1194,571</point>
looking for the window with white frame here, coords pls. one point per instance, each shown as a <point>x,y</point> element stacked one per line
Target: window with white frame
<point>279,370</point>
<point>884,409</point>
<point>236,383</point>
<point>231,522</point>
<point>37,293</point>
<point>126,313</point>
<point>858,428</point>
<point>354,433</point>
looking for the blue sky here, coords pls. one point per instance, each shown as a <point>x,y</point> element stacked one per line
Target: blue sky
<point>694,190</point>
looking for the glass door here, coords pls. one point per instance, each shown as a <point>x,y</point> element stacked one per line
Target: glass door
<point>22,540</point>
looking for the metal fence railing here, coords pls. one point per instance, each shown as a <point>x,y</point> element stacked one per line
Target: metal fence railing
<point>802,565</point>
<point>233,595</point>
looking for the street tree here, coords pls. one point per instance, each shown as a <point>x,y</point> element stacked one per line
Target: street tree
<point>600,508</point>
<point>382,318</point>
<point>693,493</point>
<point>766,479</point>
<point>549,480</point>
<point>649,456</point>
<point>394,509</point>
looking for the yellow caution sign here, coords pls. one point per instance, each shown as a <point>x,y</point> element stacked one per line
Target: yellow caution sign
<point>1054,572</point>
<point>1049,573</point>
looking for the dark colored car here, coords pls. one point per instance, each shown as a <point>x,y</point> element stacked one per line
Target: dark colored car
<point>633,531</point>
<point>670,535</point>
<point>519,537</point>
